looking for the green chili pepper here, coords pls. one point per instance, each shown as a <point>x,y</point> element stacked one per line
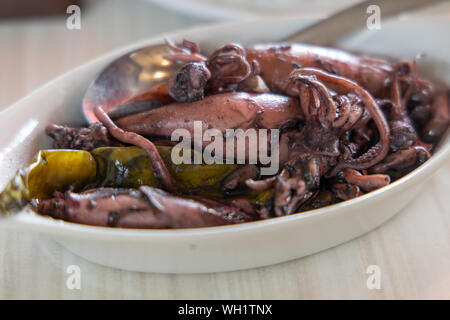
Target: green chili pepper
<point>50,171</point>
<point>129,167</point>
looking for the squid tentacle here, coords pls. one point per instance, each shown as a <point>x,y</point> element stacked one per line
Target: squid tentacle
<point>377,152</point>
<point>327,114</point>
<point>162,173</point>
<point>188,52</point>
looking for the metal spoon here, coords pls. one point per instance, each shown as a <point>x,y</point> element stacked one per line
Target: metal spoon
<point>128,76</point>
<point>144,68</point>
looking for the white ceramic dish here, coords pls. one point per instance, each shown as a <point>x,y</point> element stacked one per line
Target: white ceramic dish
<point>219,248</point>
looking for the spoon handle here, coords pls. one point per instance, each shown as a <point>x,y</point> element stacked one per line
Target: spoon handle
<point>352,19</point>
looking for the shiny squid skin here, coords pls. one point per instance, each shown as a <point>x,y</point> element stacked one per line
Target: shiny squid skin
<point>440,118</point>
<point>366,182</point>
<point>145,207</point>
<point>276,61</point>
<point>236,110</point>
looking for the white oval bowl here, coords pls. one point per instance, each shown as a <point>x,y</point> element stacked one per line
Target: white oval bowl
<point>211,249</point>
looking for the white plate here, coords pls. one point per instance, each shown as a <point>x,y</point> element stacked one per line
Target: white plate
<point>228,247</point>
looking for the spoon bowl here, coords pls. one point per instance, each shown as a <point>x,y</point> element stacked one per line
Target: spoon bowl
<point>126,77</point>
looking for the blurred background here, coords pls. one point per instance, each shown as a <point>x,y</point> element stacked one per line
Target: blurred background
<point>36,45</point>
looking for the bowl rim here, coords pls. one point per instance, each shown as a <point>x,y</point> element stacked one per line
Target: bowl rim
<point>31,220</point>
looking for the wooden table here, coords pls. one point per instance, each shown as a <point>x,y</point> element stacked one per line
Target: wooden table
<point>412,249</point>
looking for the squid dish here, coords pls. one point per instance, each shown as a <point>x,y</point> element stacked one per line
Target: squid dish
<point>346,125</point>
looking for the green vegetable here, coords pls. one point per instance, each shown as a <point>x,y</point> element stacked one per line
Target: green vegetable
<point>129,167</point>
<point>49,171</point>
